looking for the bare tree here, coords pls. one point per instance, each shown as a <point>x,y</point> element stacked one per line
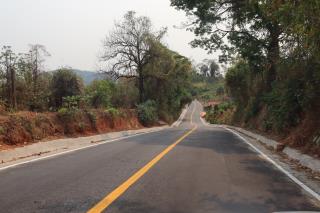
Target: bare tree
<point>127,49</point>
<point>36,56</point>
<point>8,62</point>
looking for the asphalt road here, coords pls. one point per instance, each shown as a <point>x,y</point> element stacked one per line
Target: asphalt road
<point>209,170</point>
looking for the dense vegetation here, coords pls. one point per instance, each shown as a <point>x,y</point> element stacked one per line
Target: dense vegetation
<point>273,51</point>
<point>141,74</point>
<point>207,81</point>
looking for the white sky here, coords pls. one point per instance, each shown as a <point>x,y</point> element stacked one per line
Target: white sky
<point>73,30</point>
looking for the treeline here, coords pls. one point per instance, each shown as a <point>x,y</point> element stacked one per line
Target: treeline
<point>208,81</point>
<point>141,73</point>
<point>134,51</point>
<point>23,84</point>
<point>273,49</point>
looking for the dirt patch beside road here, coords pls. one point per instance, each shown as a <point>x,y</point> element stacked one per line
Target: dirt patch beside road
<point>23,128</point>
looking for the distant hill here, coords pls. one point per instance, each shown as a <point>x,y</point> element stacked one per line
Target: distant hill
<point>89,76</point>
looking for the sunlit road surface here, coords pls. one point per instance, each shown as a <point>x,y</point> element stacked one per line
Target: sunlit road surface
<point>190,168</point>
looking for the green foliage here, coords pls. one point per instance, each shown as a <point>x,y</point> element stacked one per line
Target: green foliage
<point>125,94</point>
<point>133,53</point>
<point>220,91</point>
<point>237,82</point>
<point>152,72</point>
<point>207,87</point>
<point>66,114</point>
<point>2,130</point>
<point>147,112</point>
<point>113,112</point>
<point>81,126</point>
<point>252,108</point>
<point>65,84</point>
<point>285,103</point>
<point>168,82</point>
<point>100,93</point>
<point>213,114</point>
<point>71,102</point>
<point>273,47</point>
<point>92,117</point>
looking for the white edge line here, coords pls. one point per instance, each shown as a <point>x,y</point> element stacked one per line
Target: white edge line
<point>77,149</point>
<point>191,116</point>
<point>296,180</point>
<point>183,114</point>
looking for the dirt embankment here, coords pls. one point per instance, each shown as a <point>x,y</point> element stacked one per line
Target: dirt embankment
<point>28,127</point>
<point>304,137</point>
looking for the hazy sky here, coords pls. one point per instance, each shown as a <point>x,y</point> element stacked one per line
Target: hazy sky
<point>73,30</point>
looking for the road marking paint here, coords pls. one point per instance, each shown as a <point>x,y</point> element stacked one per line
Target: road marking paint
<point>116,193</point>
<point>183,114</point>
<point>77,149</point>
<point>194,109</point>
<point>296,180</point>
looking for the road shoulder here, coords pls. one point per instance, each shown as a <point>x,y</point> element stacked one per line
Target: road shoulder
<point>309,178</point>
<point>47,149</point>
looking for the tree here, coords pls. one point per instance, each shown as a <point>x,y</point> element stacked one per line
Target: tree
<point>237,82</point>
<point>35,57</point>
<point>204,69</point>
<point>214,69</point>
<point>249,29</point>
<point>100,93</point>
<point>168,81</point>
<point>9,62</point>
<point>126,94</point>
<point>209,68</point>
<point>127,48</point>
<point>65,83</point>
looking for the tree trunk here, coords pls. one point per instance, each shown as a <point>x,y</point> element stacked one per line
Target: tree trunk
<point>273,55</point>
<point>141,88</point>
<point>35,76</point>
<point>13,88</point>
<point>8,89</point>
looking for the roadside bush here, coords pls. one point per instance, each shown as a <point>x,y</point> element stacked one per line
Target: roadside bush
<point>66,114</point>
<point>166,116</point>
<point>113,112</point>
<point>237,82</point>
<point>125,94</point>
<point>147,112</point>
<point>82,126</point>
<point>285,104</point>
<point>71,102</point>
<point>219,113</point>
<point>100,93</point>
<point>252,109</point>
<point>92,117</point>
<point>65,83</point>
<point>220,91</point>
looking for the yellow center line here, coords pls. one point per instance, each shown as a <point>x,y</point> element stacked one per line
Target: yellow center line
<point>115,194</point>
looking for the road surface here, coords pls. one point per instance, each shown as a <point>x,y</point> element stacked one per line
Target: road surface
<point>190,168</point>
